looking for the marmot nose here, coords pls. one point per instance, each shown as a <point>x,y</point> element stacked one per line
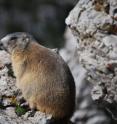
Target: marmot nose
<point>1,46</point>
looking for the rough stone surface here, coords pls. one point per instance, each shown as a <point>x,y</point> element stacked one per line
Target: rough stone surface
<point>94,24</point>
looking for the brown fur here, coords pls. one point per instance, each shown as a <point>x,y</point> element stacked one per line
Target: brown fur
<point>45,80</point>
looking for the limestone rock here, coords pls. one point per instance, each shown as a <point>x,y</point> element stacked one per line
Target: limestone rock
<point>94,24</point>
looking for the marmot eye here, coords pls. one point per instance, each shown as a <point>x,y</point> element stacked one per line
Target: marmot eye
<point>13,38</point>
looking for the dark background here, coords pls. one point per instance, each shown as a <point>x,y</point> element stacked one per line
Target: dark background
<point>44,19</point>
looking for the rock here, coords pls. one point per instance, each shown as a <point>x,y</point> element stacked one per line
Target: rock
<point>10,111</point>
<point>93,24</point>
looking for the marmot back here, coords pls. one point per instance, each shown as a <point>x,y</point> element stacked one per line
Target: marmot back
<point>42,75</point>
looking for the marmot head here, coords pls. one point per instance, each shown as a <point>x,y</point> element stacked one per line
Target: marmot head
<point>14,40</point>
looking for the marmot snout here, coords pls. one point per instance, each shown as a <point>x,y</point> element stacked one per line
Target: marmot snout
<point>42,75</point>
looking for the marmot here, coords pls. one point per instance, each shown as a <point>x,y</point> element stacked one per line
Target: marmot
<point>42,75</point>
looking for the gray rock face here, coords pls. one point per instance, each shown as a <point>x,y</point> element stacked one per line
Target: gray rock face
<point>94,24</point>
